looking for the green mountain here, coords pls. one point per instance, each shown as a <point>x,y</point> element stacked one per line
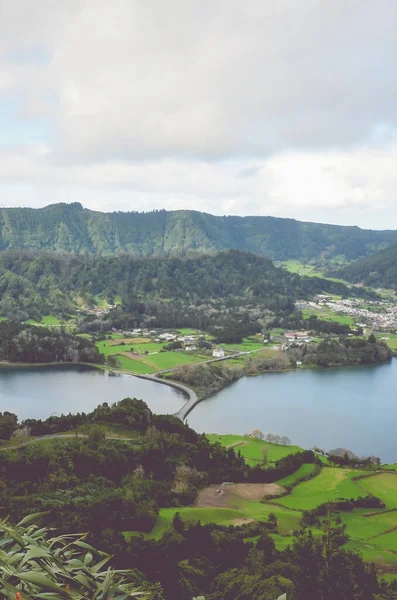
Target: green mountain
<point>71,228</point>
<point>378,270</point>
<point>32,283</point>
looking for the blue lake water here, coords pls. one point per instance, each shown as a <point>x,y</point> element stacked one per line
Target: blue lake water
<point>351,407</point>
<point>39,392</point>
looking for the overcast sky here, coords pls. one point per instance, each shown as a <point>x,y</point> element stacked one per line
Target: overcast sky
<point>265,107</point>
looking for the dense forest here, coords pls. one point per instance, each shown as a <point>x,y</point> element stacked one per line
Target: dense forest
<point>379,270</point>
<point>21,343</point>
<point>32,284</point>
<point>107,487</point>
<point>343,351</point>
<point>70,228</point>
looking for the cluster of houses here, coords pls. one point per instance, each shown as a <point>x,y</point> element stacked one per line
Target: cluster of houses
<point>377,313</point>
<point>189,342</point>
<point>296,338</point>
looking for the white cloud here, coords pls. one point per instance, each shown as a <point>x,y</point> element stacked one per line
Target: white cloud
<point>354,187</point>
<point>276,107</point>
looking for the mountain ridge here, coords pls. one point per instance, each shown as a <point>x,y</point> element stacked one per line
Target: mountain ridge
<point>71,228</point>
<point>379,269</point>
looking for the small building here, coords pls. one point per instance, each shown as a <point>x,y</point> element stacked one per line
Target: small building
<point>218,353</point>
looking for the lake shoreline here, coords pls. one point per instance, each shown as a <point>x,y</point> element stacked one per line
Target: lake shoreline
<point>193,395</point>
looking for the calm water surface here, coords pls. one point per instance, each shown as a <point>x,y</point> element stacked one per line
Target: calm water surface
<point>351,407</point>
<point>40,391</point>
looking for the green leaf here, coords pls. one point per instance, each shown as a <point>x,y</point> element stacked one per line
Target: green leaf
<point>10,588</point>
<point>32,517</point>
<point>40,580</point>
<point>37,552</point>
<point>84,545</point>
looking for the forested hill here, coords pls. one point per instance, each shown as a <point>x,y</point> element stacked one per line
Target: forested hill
<point>70,228</point>
<point>379,270</point>
<point>34,283</point>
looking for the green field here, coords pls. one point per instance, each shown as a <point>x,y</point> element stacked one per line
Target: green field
<point>302,472</point>
<point>371,552</point>
<point>294,266</point>
<point>329,485</point>
<point>384,486</point>
<point>253,449</point>
<point>288,520</point>
<point>134,366</point>
<point>328,315</point>
<point>156,359</point>
<point>101,302</point>
<point>46,320</point>
<point>373,533</point>
<point>358,525</point>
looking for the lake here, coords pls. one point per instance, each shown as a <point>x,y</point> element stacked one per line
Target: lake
<point>350,407</point>
<point>38,392</point>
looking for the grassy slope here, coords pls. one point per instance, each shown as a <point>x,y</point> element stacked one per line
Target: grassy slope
<point>384,486</point>
<point>252,449</point>
<point>303,471</point>
<point>330,484</point>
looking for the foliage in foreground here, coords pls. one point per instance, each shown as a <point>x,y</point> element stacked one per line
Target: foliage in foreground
<point>35,565</point>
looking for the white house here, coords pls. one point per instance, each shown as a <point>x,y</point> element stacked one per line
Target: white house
<point>218,353</point>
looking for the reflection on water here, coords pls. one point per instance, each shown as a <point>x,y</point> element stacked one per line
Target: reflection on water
<point>38,392</point>
<point>351,407</point>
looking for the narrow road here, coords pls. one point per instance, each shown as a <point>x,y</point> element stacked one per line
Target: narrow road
<point>211,360</point>
<point>191,394</point>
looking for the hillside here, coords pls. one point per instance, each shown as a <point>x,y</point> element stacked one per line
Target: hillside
<point>379,270</point>
<point>71,228</point>
<point>38,283</point>
<point>154,501</point>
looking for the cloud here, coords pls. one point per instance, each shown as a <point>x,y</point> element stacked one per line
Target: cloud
<point>276,107</point>
<point>356,186</point>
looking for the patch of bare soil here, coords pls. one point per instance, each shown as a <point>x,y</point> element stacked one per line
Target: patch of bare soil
<point>237,444</point>
<point>132,341</point>
<point>131,355</point>
<point>230,496</point>
<point>243,521</point>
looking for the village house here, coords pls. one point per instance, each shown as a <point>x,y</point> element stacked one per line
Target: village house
<point>218,353</point>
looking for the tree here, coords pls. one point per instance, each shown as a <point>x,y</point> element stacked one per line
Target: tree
<point>285,441</point>
<point>96,436</point>
<point>257,433</point>
<point>8,424</point>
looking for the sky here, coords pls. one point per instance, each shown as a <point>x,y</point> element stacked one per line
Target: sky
<point>272,107</point>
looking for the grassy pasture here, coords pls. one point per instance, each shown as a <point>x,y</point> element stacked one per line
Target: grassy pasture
<point>387,541</point>
<point>360,526</point>
<point>371,552</point>
<point>46,320</point>
<point>328,315</point>
<point>329,485</point>
<point>302,472</point>
<point>288,520</point>
<point>134,366</point>
<point>383,485</point>
<point>152,362</point>
<point>253,449</point>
